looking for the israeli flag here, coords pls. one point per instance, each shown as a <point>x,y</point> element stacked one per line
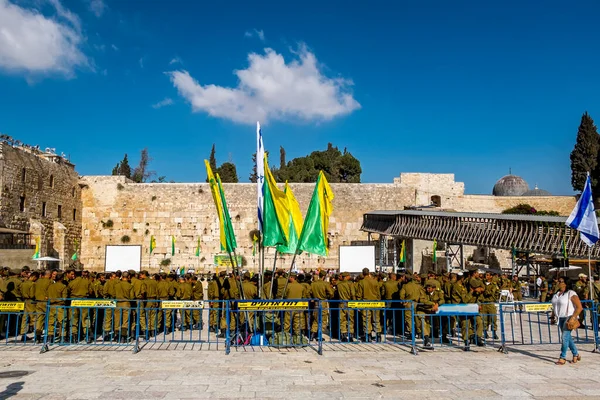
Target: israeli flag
<point>583,216</point>
<point>260,175</point>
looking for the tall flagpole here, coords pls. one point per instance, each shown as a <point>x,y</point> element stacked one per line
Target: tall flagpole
<point>260,179</point>
<point>590,273</point>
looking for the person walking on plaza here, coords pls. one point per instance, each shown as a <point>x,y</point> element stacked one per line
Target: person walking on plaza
<point>566,308</point>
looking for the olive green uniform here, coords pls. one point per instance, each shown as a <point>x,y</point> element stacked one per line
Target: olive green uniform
<point>370,290</point>
<point>294,290</point>
<point>28,294</point>
<point>151,303</point>
<point>139,293</point>
<point>213,294</point>
<point>41,299</point>
<point>124,295</point>
<point>79,288</point>
<point>346,292</point>
<point>544,291</point>
<point>109,294</point>
<point>426,307</point>
<point>185,293</point>
<point>489,298</point>
<point>412,291</point>
<point>460,295</point>
<point>322,291</point>
<point>250,293</point>
<point>197,294</point>
<point>57,291</point>
<point>229,291</point>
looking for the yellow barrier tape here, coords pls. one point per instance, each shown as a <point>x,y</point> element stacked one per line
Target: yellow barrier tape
<point>273,305</point>
<point>11,306</point>
<point>181,304</point>
<point>93,303</point>
<point>538,307</point>
<point>366,304</point>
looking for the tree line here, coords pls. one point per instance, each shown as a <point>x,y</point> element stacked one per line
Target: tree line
<point>338,166</point>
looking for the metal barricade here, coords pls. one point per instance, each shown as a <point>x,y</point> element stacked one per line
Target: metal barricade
<point>530,324</point>
<point>168,323</point>
<point>596,326</point>
<point>374,322</point>
<point>290,323</point>
<point>21,322</point>
<point>457,325</point>
<point>89,322</point>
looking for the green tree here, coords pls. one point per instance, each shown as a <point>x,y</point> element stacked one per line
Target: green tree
<point>584,157</point>
<point>122,168</point>
<point>212,160</point>
<point>281,157</point>
<point>228,172</point>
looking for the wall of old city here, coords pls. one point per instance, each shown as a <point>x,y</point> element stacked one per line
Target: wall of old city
<point>186,211</point>
<point>40,195</point>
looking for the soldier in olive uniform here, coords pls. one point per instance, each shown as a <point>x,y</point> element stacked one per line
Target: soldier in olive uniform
<point>197,295</point>
<point>28,293</point>
<point>322,291</point>
<point>460,295</point>
<point>109,294</point>
<point>391,293</point>
<point>291,320</point>
<point>124,295</point>
<point>185,293</point>
<point>543,289</point>
<point>489,298</point>
<point>434,298</point>
<point>250,293</point>
<point>346,292</point>
<point>214,295</point>
<point>41,299</point>
<point>369,289</point>
<point>79,288</point>
<point>582,289</point>
<point>230,291</point>
<point>57,292</point>
<point>412,291</point>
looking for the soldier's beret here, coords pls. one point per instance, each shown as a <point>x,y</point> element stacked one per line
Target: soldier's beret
<point>322,273</point>
<point>345,274</point>
<point>424,276</point>
<point>430,284</point>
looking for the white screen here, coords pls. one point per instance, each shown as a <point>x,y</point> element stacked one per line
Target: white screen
<point>355,258</point>
<point>123,258</point>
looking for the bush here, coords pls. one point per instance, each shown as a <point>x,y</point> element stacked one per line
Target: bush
<point>125,239</point>
<point>528,210</point>
<point>107,224</point>
<point>120,186</point>
<point>166,262</point>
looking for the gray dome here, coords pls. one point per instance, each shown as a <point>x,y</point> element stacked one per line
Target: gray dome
<point>537,192</point>
<point>510,185</point>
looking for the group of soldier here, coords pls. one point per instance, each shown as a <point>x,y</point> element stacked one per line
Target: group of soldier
<point>138,297</point>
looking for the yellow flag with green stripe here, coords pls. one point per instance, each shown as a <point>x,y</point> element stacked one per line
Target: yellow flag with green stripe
<point>276,211</point>
<point>313,238</point>
<point>295,222</point>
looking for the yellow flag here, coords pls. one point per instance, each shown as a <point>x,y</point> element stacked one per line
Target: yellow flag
<point>216,194</point>
<point>276,225</point>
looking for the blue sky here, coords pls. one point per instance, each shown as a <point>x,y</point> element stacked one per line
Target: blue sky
<point>466,87</point>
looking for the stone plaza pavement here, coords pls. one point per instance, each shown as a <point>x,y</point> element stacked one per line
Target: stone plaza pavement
<point>350,371</point>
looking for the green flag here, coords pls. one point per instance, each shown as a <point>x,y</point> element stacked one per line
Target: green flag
<point>74,256</point>
<point>434,252</point>
<point>198,248</point>
<point>313,238</point>
<point>152,244</point>
<point>563,249</point>
<point>173,245</point>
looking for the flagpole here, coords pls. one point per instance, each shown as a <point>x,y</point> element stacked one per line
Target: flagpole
<point>289,272</point>
<point>273,275</point>
<point>590,273</point>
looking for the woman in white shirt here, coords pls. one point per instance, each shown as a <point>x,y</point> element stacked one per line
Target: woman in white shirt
<point>565,306</point>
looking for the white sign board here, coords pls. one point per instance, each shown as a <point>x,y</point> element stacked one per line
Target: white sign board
<point>355,258</point>
<point>123,258</point>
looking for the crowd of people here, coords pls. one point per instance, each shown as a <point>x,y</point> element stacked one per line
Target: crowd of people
<point>141,292</point>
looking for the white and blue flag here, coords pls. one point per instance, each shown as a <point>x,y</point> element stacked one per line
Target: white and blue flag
<point>260,175</point>
<point>583,216</point>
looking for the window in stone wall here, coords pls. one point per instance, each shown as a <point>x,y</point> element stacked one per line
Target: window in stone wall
<point>51,181</point>
<point>23,174</point>
<point>22,203</point>
<point>436,201</point>
<point>44,209</point>
<point>74,214</point>
<point>59,212</point>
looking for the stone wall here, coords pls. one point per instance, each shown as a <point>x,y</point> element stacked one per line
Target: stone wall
<point>187,211</point>
<point>39,181</point>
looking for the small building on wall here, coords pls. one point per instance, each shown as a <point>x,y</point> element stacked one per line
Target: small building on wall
<point>40,201</point>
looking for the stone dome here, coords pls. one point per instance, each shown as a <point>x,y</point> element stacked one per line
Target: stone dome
<point>510,185</point>
<point>537,192</point>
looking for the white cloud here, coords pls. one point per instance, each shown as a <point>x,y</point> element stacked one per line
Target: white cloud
<point>97,7</point>
<point>269,89</point>
<point>255,32</point>
<point>36,44</point>
<point>163,103</point>
<point>175,60</point>
<point>141,62</point>
<point>115,48</point>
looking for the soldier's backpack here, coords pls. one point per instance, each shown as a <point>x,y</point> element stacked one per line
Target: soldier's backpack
<point>300,340</point>
<point>282,339</point>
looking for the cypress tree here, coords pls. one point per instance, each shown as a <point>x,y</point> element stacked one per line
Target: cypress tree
<point>584,157</point>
